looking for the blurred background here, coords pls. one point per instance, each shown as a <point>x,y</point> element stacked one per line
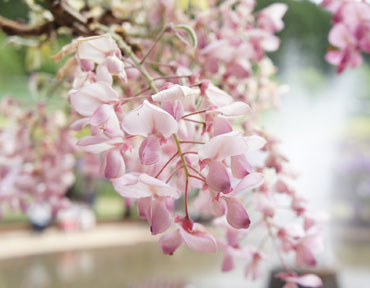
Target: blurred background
<point>324,126</point>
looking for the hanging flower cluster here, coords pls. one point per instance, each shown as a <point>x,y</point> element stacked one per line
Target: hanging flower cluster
<point>350,34</point>
<point>36,157</point>
<point>186,141</point>
<point>176,127</point>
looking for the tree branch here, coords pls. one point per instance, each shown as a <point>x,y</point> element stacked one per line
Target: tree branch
<point>11,27</point>
<point>65,16</point>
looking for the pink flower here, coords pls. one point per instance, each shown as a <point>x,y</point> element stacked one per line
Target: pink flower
<point>154,210</point>
<point>191,234</point>
<point>153,122</point>
<point>292,279</point>
<point>135,185</point>
<point>306,246</point>
<point>270,18</point>
<point>151,194</point>
<point>350,33</point>
<point>104,51</point>
<point>89,98</point>
<point>113,163</point>
<point>253,269</point>
<point>175,98</point>
<point>229,144</point>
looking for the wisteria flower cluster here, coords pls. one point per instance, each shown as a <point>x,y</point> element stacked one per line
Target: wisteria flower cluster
<point>37,157</point>
<point>189,141</point>
<point>350,34</point>
<point>171,99</point>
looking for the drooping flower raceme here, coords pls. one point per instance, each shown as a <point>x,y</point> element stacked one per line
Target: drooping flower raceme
<point>176,128</point>
<point>350,34</point>
<point>188,140</point>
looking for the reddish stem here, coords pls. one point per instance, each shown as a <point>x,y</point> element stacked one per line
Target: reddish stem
<point>278,251</point>
<point>174,173</point>
<point>194,113</point>
<point>190,152</point>
<point>196,177</point>
<point>165,165</point>
<point>186,198</point>
<point>196,171</point>
<point>195,121</point>
<point>171,77</point>
<point>160,35</point>
<point>142,91</point>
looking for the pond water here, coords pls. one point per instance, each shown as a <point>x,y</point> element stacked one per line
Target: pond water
<point>142,265</point>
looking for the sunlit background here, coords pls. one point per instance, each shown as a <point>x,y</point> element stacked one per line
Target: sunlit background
<point>324,126</point>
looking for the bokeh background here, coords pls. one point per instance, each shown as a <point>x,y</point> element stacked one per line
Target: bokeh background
<point>324,125</point>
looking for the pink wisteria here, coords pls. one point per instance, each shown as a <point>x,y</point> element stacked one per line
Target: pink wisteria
<point>172,115</point>
<point>180,130</point>
<point>37,157</point>
<point>350,34</point>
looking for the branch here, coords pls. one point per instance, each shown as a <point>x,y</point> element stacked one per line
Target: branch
<point>65,16</point>
<point>11,27</point>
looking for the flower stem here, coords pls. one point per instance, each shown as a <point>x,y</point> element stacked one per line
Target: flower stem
<point>191,142</point>
<point>174,173</point>
<point>278,251</point>
<point>194,113</point>
<point>160,35</point>
<point>183,160</point>
<point>165,165</point>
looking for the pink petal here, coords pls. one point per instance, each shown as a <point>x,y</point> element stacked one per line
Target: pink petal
<point>240,166</point>
<point>223,146</point>
<point>309,280</point>
<point>234,110</point>
<point>114,65</point>
<point>107,117</point>
<point>199,240</point>
<point>240,69</point>
<point>142,185</point>
<point>228,263</point>
<point>271,17</point>
<point>115,165</point>
<point>128,185</point>
<point>218,97</point>
<point>255,142</point>
<point>236,214</point>
<point>218,177</point>
<point>79,124</point>
<point>149,119</point>
<point>221,126</point>
<point>251,181</point>
<point>160,218</point>
<point>149,151</point>
<point>334,57</point>
<point>159,188</point>
<point>103,75</point>
<point>89,98</point>
<point>170,242</point>
<point>97,144</point>
<point>96,48</point>
<point>86,65</point>
<point>270,43</point>
<point>305,256</point>
<point>175,108</point>
<point>265,204</point>
<point>340,36</point>
<point>144,206</point>
<point>175,92</point>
